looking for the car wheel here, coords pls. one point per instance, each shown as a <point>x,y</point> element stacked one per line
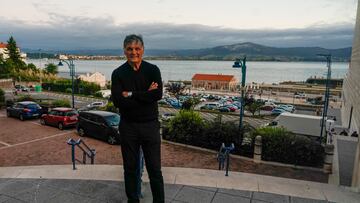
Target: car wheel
<point>61,126</point>
<point>111,139</point>
<point>21,117</point>
<point>42,121</point>
<point>8,114</point>
<point>81,132</point>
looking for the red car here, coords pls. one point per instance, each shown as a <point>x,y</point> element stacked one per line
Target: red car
<point>60,117</point>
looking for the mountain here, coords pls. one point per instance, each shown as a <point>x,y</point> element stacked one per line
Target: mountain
<point>254,52</point>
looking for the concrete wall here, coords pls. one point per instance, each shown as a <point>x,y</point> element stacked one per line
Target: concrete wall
<point>351,96</point>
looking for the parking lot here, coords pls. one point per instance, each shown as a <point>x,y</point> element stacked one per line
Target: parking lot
<point>27,142</point>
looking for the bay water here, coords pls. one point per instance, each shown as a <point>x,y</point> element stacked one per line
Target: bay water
<point>267,72</point>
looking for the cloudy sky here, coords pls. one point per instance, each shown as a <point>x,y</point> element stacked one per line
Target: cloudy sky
<point>177,24</point>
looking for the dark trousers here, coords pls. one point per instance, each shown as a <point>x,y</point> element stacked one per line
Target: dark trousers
<point>147,135</point>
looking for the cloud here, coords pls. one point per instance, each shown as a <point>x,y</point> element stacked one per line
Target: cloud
<point>64,33</point>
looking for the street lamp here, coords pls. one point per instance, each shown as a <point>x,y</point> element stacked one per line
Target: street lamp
<point>71,66</point>
<point>327,91</point>
<point>241,64</point>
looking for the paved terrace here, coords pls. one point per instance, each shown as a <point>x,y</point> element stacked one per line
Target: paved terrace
<point>104,183</point>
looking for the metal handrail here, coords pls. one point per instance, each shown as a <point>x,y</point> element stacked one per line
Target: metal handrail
<point>223,156</point>
<point>87,151</point>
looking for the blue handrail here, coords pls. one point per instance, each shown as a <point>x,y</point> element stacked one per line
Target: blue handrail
<point>87,152</point>
<point>223,156</point>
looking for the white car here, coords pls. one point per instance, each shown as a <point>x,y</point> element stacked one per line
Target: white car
<point>167,116</point>
<point>96,104</point>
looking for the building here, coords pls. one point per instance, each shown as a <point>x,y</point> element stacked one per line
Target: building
<point>214,82</point>
<point>96,77</point>
<point>350,111</point>
<point>4,54</point>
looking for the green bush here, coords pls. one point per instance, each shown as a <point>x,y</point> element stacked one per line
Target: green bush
<point>68,90</point>
<point>25,98</point>
<point>280,145</point>
<point>98,94</point>
<point>189,128</point>
<point>185,127</point>
<point>61,103</point>
<point>110,107</point>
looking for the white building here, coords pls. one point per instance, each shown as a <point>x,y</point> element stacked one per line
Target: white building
<point>96,77</point>
<point>350,112</point>
<point>3,52</point>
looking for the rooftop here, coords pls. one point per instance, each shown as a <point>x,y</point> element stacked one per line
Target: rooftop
<point>213,77</point>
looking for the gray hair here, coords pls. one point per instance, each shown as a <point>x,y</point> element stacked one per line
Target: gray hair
<point>133,38</point>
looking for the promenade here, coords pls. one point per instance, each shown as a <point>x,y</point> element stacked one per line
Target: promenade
<point>104,183</point>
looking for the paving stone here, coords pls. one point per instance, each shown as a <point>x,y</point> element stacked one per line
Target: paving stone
<point>213,189</point>
<point>4,198</point>
<point>304,200</point>
<point>68,197</point>
<point>172,190</point>
<point>191,194</point>
<point>40,194</point>
<point>241,193</point>
<point>222,198</point>
<point>258,201</point>
<point>269,197</point>
<point>12,188</point>
<point>61,184</point>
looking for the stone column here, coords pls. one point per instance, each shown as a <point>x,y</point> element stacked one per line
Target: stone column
<point>329,156</point>
<point>257,149</point>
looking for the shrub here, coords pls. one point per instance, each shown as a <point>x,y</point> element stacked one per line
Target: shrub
<point>25,98</point>
<point>185,127</point>
<point>110,107</point>
<point>68,90</point>
<point>98,94</point>
<point>61,103</point>
<point>280,145</point>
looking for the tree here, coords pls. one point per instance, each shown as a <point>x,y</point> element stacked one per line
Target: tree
<point>254,107</point>
<point>51,68</point>
<point>176,88</point>
<point>14,55</point>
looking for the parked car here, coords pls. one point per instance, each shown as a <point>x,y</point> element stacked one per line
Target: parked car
<point>277,111</point>
<point>96,104</point>
<point>224,109</point>
<point>267,108</point>
<point>102,125</point>
<point>60,117</point>
<point>210,106</point>
<point>301,95</point>
<point>24,110</point>
<point>167,116</point>
<point>287,108</point>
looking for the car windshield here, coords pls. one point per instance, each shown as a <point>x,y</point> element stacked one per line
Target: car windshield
<point>33,106</point>
<point>113,120</point>
<point>71,113</point>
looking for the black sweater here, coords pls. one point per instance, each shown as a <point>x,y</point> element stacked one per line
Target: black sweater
<point>142,105</point>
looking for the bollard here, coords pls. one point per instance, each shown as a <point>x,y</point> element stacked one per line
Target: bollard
<point>257,149</point>
<point>329,154</point>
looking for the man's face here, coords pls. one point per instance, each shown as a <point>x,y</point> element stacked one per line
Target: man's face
<point>134,52</point>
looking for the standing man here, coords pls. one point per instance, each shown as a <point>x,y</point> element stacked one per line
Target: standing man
<point>136,88</point>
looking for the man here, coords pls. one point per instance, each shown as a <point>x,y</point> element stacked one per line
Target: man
<point>136,88</point>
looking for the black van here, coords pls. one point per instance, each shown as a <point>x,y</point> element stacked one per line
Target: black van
<point>102,125</point>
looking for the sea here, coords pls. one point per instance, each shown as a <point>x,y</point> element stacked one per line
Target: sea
<point>259,72</point>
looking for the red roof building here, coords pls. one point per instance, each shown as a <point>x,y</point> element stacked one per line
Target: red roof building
<point>214,81</point>
<point>2,45</point>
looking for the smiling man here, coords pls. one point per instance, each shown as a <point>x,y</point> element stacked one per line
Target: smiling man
<point>136,88</point>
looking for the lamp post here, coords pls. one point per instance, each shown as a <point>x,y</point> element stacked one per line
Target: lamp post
<point>71,66</point>
<point>241,64</point>
<point>327,92</point>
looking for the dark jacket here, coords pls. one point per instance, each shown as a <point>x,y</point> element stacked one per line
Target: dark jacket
<point>142,105</point>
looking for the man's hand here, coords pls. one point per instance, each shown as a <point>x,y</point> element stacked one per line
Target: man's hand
<point>125,94</point>
<point>153,86</point>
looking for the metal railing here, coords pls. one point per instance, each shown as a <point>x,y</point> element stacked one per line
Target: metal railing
<point>87,152</point>
<point>223,157</point>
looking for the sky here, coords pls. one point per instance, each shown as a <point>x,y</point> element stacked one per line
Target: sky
<point>177,24</point>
